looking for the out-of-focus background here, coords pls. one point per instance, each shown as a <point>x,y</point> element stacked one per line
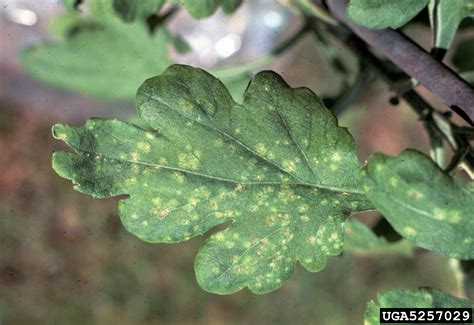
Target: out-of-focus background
<point>65,258</point>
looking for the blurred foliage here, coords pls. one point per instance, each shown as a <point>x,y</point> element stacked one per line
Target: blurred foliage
<point>131,10</point>
<point>360,239</point>
<point>99,55</point>
<point>463,57</point>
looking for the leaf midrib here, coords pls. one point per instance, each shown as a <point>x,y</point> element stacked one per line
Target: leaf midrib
<point>225,134</point>
<point>420,212</point>
<point>299,182</point>
<point>221,179</point>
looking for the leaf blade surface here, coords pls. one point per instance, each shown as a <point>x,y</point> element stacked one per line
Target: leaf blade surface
<point>212,160</point>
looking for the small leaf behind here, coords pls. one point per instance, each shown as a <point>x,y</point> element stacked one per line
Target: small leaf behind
<point>463,57</point>
<point>424,204</point>
<point>361,240</point>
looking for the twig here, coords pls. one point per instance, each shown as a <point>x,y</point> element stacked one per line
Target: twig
<point>437,125</point>
<point>414,61</point>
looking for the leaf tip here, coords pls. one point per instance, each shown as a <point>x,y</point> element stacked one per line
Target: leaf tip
<point>59,132</point>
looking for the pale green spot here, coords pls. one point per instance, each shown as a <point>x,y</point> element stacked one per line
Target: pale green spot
<point>415,194</point>
<point>145,147</point>
<point>336,157</point>
<point>439,214</point>
<point>409,231</point>
<point>393,181</point>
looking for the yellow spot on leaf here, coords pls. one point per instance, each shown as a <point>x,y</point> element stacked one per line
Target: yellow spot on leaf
<point>415,194</point>
<point>145,147</point>
<point>218,142</point>
<point>393,181</point>
<point>162,161</point>
<point>305,218</point>
<point>439,214</point>
<point>303,208</point>
<point>454,217</point>
<point>409,231</point>
<point>336,157</point>
<point>164,213</point>
<point>188,161</point>
<point>261,148</point>
<point>289,165</point>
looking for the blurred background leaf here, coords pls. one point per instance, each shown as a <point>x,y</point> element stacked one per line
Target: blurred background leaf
<point>360,239</point>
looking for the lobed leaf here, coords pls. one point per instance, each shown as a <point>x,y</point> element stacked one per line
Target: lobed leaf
<point>378,14</point>
<point>361,240</point>
<point>422,298</point>
<point>278,166</point>
<point>422,202</point>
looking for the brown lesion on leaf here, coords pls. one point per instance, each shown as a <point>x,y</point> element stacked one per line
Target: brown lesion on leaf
<point>415,194</point>
<point>164,213</point>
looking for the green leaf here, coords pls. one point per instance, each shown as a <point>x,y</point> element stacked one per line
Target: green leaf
<point>108,59</point>
<point>237,85</point>
<point>70,4</point>
<point>445,17</point>
<point>204,8</point>
<point>312,9</point>
<point>180,44</point>
<point>422,298</point>
<point>463,57</point>
<point>277,165</point>
<point>378,14</point>
<point>130,10</point>
<point>422,202</point>
<point>63,25</point>
<point>361,240</point>
<point>470,186</point>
